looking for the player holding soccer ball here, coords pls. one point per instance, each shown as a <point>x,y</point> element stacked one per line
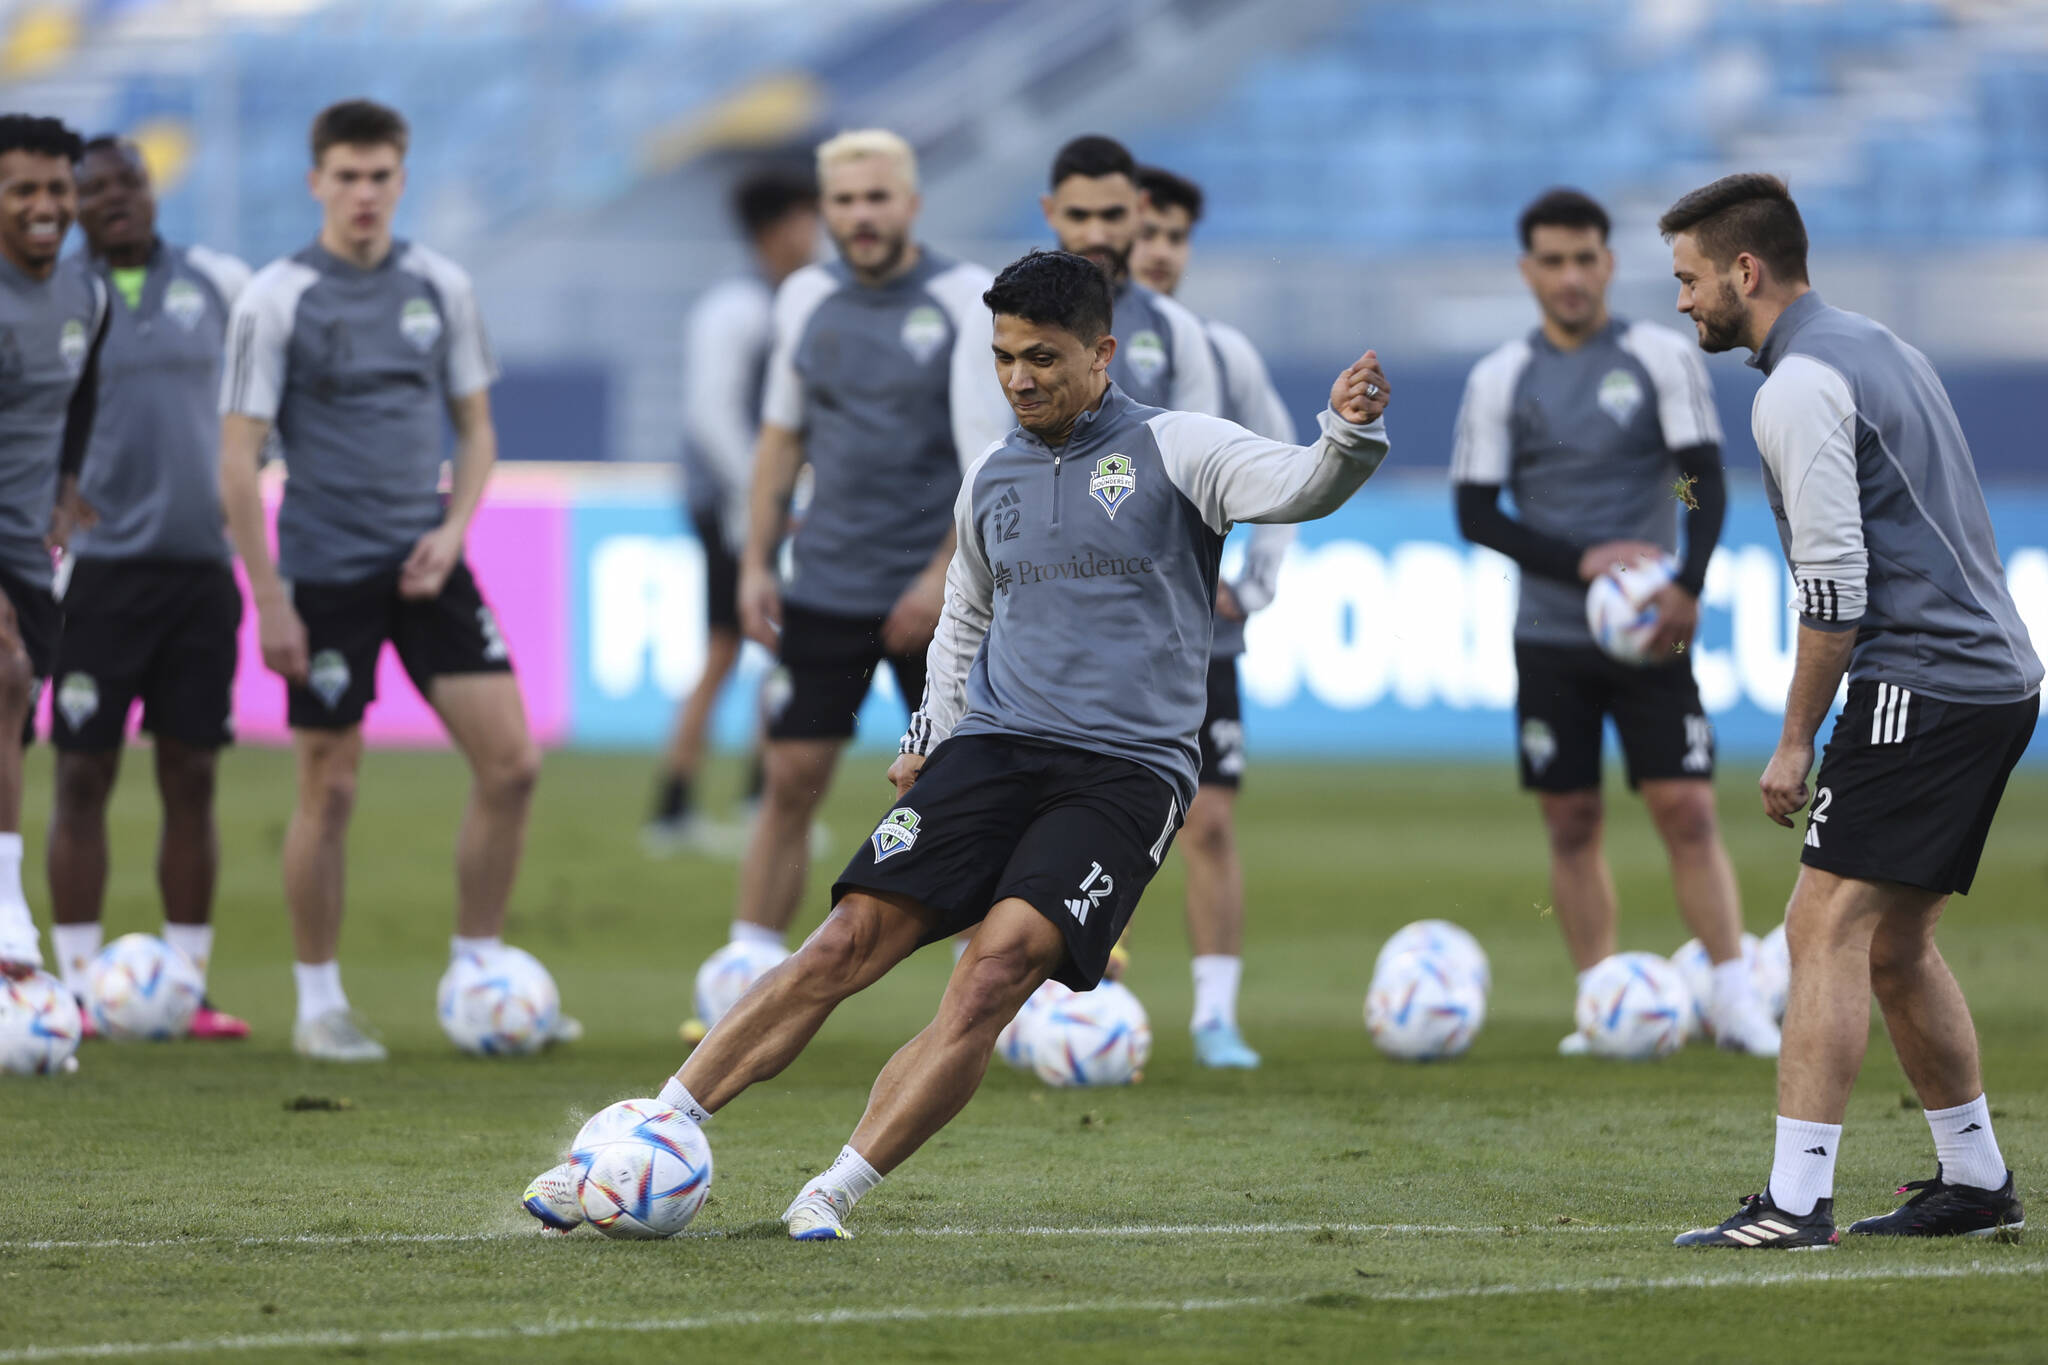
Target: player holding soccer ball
<point>1901,589</point>
<point>52,322</point>
<point>1043,779</point>
<point>1599,427</point>
<point>151,608</point>
<point>358,350</point>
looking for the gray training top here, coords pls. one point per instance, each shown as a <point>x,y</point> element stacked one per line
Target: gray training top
<point>46,332</point>
<point>1584,440</point>
<point>726,340</point>
<point>357,368</point>
<point>152,472</point>
<point>1079,602</point>
<point>1250,400</point>
<point>1163,356</point>
<point>1880,512</point>
<point>893,389</point>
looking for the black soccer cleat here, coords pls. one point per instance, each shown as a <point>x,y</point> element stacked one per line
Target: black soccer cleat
<point>1939,1209</point>
<point>1760,1223</point>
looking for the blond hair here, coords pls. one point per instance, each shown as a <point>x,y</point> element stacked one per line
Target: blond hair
<point>866,142</point>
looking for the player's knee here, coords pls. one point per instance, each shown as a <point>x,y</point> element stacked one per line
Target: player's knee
<point>327,789</point>
<point>186,778</point>
<point>792,786</point>
<point>1572,822</point>
<point>1898,951</point>
<point>991,988</point>
<point>84,781</point>
<point>1208,835</point>
<point>838,952</point>
<point>510,778</point>
<point>1687,819</point>
<point>17,680</point>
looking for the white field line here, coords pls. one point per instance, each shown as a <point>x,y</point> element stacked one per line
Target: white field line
<point>854,1317</point>
<point>1086,1230</point>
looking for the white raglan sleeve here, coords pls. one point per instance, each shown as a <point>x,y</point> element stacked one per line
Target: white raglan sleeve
<point>1234,475</point>
<point>228,273</point>
<point>1197,383</point>
<point>980,413</point>
<point>963,625</point>
<point>782,395</point>
<point>1805,426</point>
<point>724,331</point>
<point>468,367</point>
<point>1685,392</point>
<point>1482,440</point>
<point>259,340</point>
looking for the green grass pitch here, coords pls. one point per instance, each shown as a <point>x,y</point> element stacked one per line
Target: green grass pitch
<point>176,1201</point>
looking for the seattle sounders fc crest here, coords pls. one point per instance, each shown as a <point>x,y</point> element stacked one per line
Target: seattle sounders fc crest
<point>1620,396</point>
<point>184,304</point>
<point>1112,482</point>
<point>71,346</point>
<point>896,833</point>
<point>1146,354</point>
<point>924,331</point>
<point>419,324</point>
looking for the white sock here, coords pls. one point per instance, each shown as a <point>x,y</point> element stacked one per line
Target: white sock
<point>1964,1145</point>
<point>195,941</point>
<point>676,1096</point>
<point>319,989</point>
<point>1803,1170</point>
<point>76,945</point>
<point>482,947</point>
<point>745,931</point>
<point>1216,978</point>
<point>1732,984</point>
<point>850,1175</point>
<point>10,873</point>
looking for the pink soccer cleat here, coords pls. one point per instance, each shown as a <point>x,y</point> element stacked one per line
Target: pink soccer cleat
<point>208,1022</point>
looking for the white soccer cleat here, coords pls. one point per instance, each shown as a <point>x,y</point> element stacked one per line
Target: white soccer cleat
<point>1574,1044</point>
<point>336,1036</point>
<point>1744,1025</point>
<point>818,1215</point>
<point>568,1029</point>
<point>21,951</point>
<point>556,1197</point>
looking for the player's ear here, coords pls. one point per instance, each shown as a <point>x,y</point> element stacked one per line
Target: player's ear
<point>1527,268</point>
<point>1045,207</point>
<point>1105,351</point>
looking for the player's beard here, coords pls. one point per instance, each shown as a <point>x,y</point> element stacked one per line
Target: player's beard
<point>892,249</point>
<point>1116,264</point>
<point>1721,328</point>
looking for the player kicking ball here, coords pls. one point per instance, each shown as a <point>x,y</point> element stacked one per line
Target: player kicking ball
<point>1054,756</point>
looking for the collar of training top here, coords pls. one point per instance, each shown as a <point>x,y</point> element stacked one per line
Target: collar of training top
<point>1090,427</point>
<point>1796,315</point>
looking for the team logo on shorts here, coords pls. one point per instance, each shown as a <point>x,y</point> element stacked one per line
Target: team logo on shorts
<point>494,638</point>
<point>71,345</point>
<point>1539,745</point>
<point>1147,354</point>
<point>1620,396</point>
<point>896,833</point>
<point>184,304</point>
<point>78,698</point>
<point>1112,482</point>
<point>924,331</point>
<point>419,324</point>
<point>328,676</point>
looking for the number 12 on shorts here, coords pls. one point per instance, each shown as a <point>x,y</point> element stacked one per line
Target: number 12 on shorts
<point>1095,888</point>
<point>1821,800</point>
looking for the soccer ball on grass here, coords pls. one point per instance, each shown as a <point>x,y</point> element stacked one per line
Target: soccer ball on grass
<point>645,1170</point>
<point>1633,1006</point>
<point>39,1026</point>
<point>1098,1037</point>
<point>499,1003</point>
<point>1422,1007</point>
<point>141,987</point>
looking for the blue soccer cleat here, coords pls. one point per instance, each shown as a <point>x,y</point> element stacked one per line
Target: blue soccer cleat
<point>1221,1046</point>
<point>818,1215</point>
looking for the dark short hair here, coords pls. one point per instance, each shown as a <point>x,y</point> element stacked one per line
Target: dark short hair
<point>41,136</point>
<point>766,197</point>
<point>359,123</point>
<point>1562,207</point>
<point>109,142</point>
<point>1169,191</point>
<point>1092,155</point>
<point>1054,289</point>
<point>1750,212</point>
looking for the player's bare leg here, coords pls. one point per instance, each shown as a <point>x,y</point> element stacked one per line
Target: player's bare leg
<point>20,953</point>
<point>188,866</point>
<point>778,852</point>
<point>486,719</point>
<point>1581,886</point>
<point>859,942</point>
<point>1924,1009</point>
<point>1703,880</point>
<point>76,858</point>
<point>1215,912</point>
<point>315,873</point>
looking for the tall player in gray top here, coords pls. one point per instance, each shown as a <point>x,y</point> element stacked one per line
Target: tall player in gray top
<point>1045,774</point>
<point>357,351</point>
<point>878,380</point>
<point>51,323</point>
<point>1168,209</point>
<point>1900,589</point>
<point>151,607</point>
<point>1599,428</point>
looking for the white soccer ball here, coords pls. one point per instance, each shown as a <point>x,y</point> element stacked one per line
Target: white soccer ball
<point>1634,1006</point>
<point>1423,1008</point>
<point>1774,972</point>
<point>646,1170</point>
<point>39,1026</point>
<point>498,1003</point>
<point>1450,945</point>
<point>141,987</point>
<point>729,974</point>
<point>1618,609</point>
<point>1697,968</point>
<point>1013,1043</point>
<point>1098,1037</point>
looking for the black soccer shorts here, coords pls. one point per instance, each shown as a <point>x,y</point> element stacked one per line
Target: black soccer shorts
<point>158,631</point>
<point>348,623</point>
<point>1568,691</point>
<point>1076,834</point>
<point>827,663</point>
<point>39,621</point>
<point>1222,736</point>
<point>721,573</point>
<point>1908,786</point>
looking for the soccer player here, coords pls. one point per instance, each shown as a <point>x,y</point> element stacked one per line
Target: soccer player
<point>879,381</point>
<point>1164,359</point>
<point>1168,209</point>
<point>1899,587</point>
<point>725,359</point>
<point>151,608</point>
<point>1600,428</point>
<point>1043,778</point>
<point>51,325</point>
<point>352,350</point>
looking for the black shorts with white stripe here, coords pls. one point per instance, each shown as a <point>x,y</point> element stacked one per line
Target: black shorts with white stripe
<point>1075,834</point>
<point>1908,786</point>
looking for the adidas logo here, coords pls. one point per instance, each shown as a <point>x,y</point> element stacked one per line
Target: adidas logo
<point>1816,1151</point>
<point>1009,498</point>
<point>1973,1128</point>
<point>1762,1231</point>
